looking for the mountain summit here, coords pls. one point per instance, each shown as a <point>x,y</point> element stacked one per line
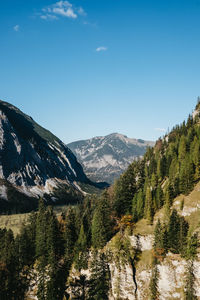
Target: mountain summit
<point>106,157</point>
<point>35,162</point>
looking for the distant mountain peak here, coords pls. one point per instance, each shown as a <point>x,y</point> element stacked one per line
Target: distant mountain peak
<point>106,157</point>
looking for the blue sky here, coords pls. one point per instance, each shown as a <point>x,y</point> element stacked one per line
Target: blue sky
<point>85,68</point>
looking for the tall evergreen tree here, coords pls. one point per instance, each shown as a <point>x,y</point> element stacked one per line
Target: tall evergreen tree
<point>154,293</point>
<point>100,277</point>
<point>101,222</point>
<point>159,241</point>
<point>190,279</point>
<point>41,250</point>
<point>124,189</point>
<point>149,206</point>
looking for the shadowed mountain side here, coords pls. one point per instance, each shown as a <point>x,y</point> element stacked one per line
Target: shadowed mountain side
<point>36,162</point>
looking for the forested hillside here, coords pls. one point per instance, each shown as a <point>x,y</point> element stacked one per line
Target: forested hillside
<point>85,253</point>
<point>170,168</point>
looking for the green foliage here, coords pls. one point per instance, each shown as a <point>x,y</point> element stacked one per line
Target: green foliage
<point>13,278</point>
<point>78,288</point>
<point>81,259</point>
<point>177,233</point>
<point>48,253</point>
<point>101,222</point>
<point>99,282</point>
<point>172,236</point>
<point>170,168</point>
<point>153,287</point>
<point>192,245</point>
<point>160,241</point>
<point>149,211</point>
<point>190,279</point>
<point>70,234</point>
<point>124,190</point>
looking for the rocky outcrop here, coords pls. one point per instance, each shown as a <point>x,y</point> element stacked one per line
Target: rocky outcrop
<point>172,275</point>
<point>128,282</point>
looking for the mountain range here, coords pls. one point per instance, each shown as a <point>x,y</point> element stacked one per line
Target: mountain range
<point>35,163</point>
<point>105,158</point>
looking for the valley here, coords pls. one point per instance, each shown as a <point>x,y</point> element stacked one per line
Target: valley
<point>137,239</point>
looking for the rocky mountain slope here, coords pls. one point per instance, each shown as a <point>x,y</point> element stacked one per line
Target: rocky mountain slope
<point>127,283</point>
<point>34,162</point>
<point>104,158</point>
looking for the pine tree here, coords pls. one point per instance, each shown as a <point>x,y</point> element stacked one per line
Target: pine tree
<point>190,279</point>
<point>55,283</point>
<point>182,149</point>
<point>82,250</point>
<point>134,207</point>
<point>41,250</point>
<point>192,245</point>
<point>79,287</point>
<point>101,223</point>
<point>167,204</point>
<point>70,235</point>
<point>124,189</point>
<point>159,243</point>
<point>195,157</point>
<point>159,197</point>
<point>173,232</point>
<point>149,206</point>
<point>183,231</point>
<point>100,277</point>
<point>154,293</point>
<point>186,176</point>
<point>140,204</point>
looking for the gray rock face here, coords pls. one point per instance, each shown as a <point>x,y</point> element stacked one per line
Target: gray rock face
<point>105,158</point>
<point>32,159</point>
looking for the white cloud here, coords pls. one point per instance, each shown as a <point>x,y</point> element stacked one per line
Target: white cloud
<point>99,49</point>
<point>63,4</point>
<point>61,9</point>
<point>160,129</point>
<point>16,28</point>
<point>65,12</point>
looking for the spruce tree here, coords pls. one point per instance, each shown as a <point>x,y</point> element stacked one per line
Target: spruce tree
<point>78,287</point>
<point>100,277</point>
<point>159,241</point>
<point>154,293</point>
<point>81,249</point>
<point>140,204</point>
<point>192,245</point>
<point>41,250</point>
<point>190,279</point>
<point>101,223</point>
<point>173,232</point>
<point>149,206</point>
<point>70,235</point>
<point>124,189</point>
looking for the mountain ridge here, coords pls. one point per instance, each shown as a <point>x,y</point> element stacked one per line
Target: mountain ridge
<point>34,161</point>
<point>107,157</point>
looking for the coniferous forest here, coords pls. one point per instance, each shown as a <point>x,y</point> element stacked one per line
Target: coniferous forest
<point>48,247</point>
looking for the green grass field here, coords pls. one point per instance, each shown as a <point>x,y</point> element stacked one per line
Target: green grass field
<point>15,222</point>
